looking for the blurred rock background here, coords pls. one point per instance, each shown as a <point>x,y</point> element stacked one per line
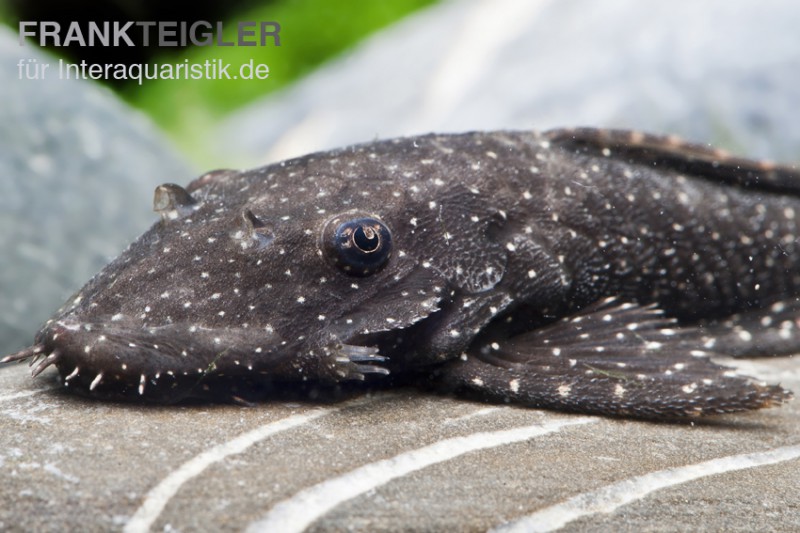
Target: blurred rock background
<point>723,72</point>
<point>77,172</point>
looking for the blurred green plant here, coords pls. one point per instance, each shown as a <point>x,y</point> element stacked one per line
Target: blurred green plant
<point>5,15</point>
<point>312,31</point>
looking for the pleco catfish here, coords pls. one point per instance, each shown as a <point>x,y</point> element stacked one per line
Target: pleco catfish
<point>584,270</point>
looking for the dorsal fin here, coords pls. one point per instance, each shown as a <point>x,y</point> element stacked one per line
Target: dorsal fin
<point>679,155</point>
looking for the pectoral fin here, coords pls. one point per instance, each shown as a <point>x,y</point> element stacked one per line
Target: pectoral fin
<point>612,358</point>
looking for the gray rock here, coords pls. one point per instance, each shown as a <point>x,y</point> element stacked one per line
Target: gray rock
<point>719,71</point>
<point>78,169</point>
<point>399,461</point>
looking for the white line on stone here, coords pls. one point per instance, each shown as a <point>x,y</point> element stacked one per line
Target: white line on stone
<point>609,498</point>
<point>299,511</point>
<point>158,497</point>
<point>480,412</point>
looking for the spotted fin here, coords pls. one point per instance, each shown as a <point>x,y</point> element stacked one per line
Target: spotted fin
<point>671,152</point>
<point>612,358</point>
<point>773,330</point>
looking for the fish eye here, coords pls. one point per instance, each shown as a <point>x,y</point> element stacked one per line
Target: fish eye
<point>357,246</point>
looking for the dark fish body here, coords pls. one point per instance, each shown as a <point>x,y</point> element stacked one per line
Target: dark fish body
<point>585,270</point>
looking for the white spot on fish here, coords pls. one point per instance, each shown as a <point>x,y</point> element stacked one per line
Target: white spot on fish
<point>96,381</point>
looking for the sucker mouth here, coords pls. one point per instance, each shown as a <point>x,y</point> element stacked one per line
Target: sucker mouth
<point>120,361</point>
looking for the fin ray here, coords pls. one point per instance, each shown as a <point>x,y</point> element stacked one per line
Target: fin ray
<point>612,358</point>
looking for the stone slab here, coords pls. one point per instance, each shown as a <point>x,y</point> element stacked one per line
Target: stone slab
<point>391,461</point>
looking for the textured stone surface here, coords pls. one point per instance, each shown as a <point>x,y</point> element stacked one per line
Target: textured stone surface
<point>77,173</point>
<point>397,461</point>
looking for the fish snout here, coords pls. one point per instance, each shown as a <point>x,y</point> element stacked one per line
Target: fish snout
<point>114,360</point>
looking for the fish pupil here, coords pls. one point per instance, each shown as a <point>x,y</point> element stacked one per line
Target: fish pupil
<point>366,239</point>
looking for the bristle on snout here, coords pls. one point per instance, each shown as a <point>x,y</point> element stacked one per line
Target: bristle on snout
<point>31,352</point>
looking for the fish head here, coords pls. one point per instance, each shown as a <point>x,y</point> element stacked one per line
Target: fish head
<point>291,272</point>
